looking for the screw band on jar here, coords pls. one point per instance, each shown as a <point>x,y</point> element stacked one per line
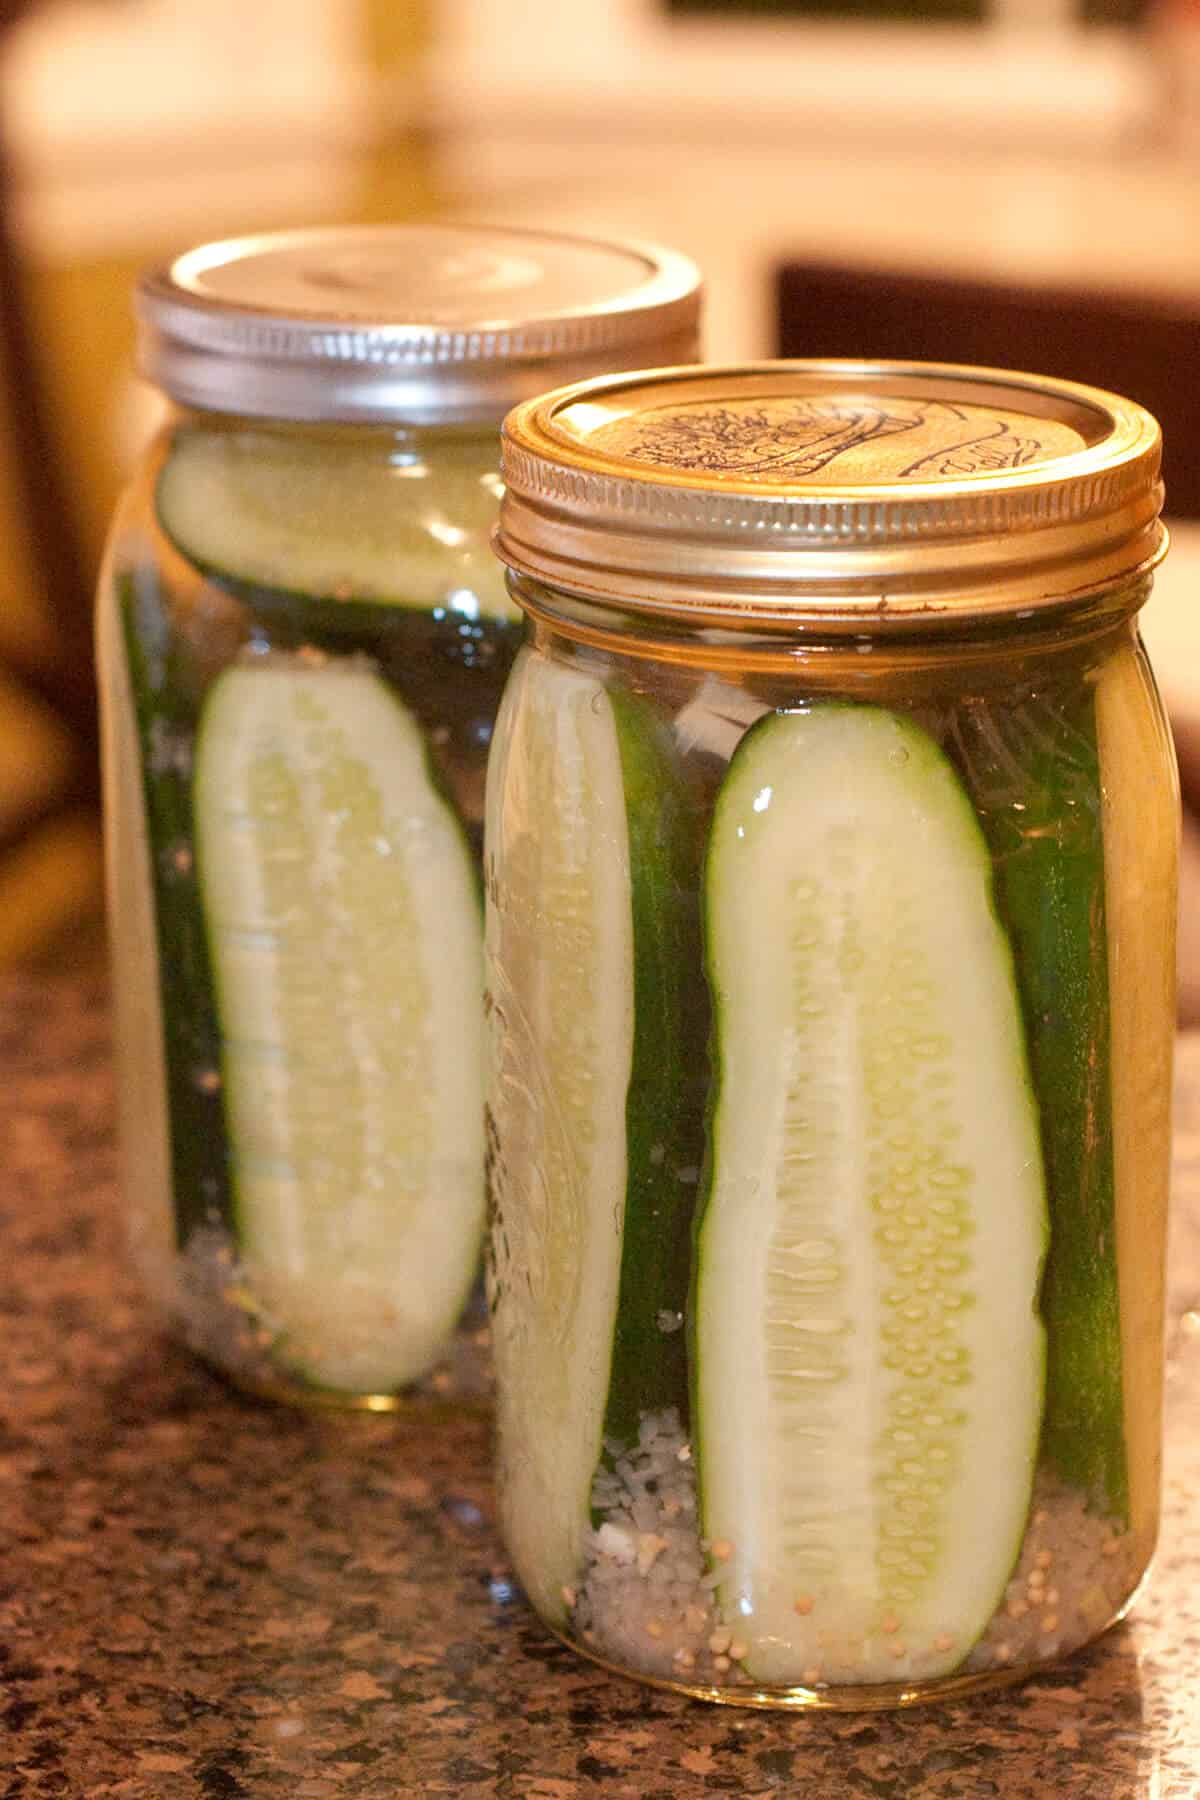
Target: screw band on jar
<point>832,492</point>
<point>415,323</point>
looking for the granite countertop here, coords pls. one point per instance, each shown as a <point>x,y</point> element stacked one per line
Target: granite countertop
<point>203,1597</point>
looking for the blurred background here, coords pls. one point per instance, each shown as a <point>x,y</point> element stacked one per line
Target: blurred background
<point>1006,180</point>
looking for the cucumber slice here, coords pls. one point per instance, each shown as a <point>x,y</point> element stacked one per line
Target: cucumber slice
<point>343,922</point>
<point>1141,844</point>
<point>341,523</point>
<point>668,1082</point>
<point>132,930</point>
<point>560,965</point>
<point>165,685</point>
<point>869,1359</point>
<point>717,718</point>
<point>1033,771</point>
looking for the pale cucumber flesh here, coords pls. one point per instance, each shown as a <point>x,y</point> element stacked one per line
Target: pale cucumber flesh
<point>560,1002</point>
<point>345,521</point>
<point>869,1361</point>
<point>344,933</point>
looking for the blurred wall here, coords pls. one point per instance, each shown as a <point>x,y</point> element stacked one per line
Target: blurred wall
<point>1027,146</point>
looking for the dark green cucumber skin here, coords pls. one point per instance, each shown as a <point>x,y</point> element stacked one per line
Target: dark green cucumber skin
<point>664,1111</point>
<point>449,671</point>
<point>1032,768</point>
<point>167,693</point>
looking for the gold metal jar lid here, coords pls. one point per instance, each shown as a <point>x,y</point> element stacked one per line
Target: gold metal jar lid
<point>420,323</point>
<point>851,494</point>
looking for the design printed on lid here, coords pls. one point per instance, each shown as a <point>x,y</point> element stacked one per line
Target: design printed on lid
<point>849,439</point>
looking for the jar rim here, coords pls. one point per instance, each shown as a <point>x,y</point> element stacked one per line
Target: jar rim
<point>831,490</point>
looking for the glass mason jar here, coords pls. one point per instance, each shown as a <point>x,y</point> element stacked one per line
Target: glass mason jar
<point>830,862</point>
<point>302,641</point>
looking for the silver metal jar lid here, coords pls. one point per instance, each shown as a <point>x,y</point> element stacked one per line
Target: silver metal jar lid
<point>849,495</point>
<point>413,323</point>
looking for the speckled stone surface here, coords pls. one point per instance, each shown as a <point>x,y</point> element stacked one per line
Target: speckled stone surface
<point>205,1598</point>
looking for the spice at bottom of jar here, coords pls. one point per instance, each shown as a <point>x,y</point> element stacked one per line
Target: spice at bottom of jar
<point>648,1596</point>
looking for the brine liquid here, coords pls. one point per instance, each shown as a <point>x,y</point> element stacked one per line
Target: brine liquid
<point>167,632</point>
<point>1065,760</point>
